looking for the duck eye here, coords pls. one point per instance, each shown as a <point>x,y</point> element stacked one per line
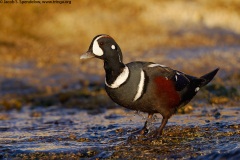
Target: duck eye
<point>101,43</point>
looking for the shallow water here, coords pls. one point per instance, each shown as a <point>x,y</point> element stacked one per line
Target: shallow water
<point>54,132</point>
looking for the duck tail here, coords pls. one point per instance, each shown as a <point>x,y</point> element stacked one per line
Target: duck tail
<point>208,77</point>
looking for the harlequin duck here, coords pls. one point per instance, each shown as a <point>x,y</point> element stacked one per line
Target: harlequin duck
<point>144,86</point>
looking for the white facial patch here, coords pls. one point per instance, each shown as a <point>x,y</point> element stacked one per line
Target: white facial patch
<point>113,47</point>
<point>122,77</point>
<point>140,86</point>
<point>156,65</point>
<point>96,49</point>
<point>197,89</point>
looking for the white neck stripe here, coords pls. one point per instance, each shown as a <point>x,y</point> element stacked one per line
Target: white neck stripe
<point>140,86</point>
<point>122,77</point>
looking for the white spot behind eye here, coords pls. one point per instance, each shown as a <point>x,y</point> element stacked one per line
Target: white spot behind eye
<point>113,47</point>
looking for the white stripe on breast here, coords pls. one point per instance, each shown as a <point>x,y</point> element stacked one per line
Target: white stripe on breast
<point>140,86</point>
<point>120,79</point>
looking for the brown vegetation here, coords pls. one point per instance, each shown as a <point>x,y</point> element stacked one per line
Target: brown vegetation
<point>40,44</point>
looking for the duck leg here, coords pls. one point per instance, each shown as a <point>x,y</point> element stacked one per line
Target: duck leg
<point>160,129</point>
<point>144,130</point>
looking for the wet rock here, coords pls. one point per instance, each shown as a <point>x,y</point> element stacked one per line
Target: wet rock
<point>216,114</point>
<point>232,155</point>
<point>119,130</point>
<point>36,114</point>
<point>113,116</point>
<point>219,100</point>
<point>83,140</point>
<point>13,86</point>
<point>4,117</point>
<point>204,112</point>
<point>8,104</point>
<point>207,121</point>
<point>93,137</point>
<point>221,90</point>
<point>60,122</point>
<point>3,129</point>
<point>72,136</point>
<point>185,110</point>
<point>91,153</point>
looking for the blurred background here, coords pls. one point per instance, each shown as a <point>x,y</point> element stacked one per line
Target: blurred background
<point>54,106</point>
<point>40,45</point>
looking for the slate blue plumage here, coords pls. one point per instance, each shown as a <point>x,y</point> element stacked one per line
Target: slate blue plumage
<point>144,86</point>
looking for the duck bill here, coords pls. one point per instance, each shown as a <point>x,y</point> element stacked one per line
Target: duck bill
<point>87,55</point>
